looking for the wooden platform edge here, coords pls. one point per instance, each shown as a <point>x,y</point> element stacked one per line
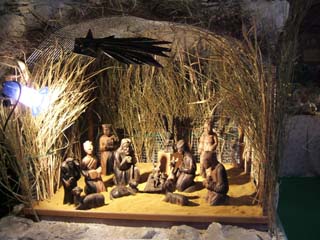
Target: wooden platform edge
<point>147,217</point>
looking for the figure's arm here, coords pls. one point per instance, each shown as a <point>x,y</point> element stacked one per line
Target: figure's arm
<point>125,163</point>
<point>84,173</point>
<point>209,184</point>
<point>222,185</point>
<point>200,146</point>
<point>77,174</point>
<point>115,138</point>
<point>189,167</point>
<point>136,174</point>
<point>215,138</point>
<point>102,146</point>
<point>66,183</point>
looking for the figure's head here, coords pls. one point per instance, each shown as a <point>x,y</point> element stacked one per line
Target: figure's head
<point>88,147</point>
<point>169,136</point>
<point>182,146</point>
<point>126,146</point>
<point>77,191</point>
<point>168,139</point>
<point>106,129</point>
<point>207,126</point>
<point>68,163</point>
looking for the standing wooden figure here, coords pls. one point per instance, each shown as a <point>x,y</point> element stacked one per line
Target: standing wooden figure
<point>70,174</point>
<point>107,146</point>
<point>207,145</point>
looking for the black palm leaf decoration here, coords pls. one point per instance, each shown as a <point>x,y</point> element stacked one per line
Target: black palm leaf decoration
<point>139,50</point>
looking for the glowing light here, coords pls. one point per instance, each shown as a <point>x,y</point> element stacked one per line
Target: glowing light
<point>38,101</point>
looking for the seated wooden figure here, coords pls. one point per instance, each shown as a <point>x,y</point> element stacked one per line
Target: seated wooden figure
<point>186,170</point>
<point>125,170</point>
<point>107,146</point>
<point>216,180</point>
<point>70,174</point>
<point>91,173</point>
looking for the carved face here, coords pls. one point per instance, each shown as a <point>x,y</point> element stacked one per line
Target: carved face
<point>106,131</point>
<point>88,147</point>
<point>181,146</point>
<point>127,149</point>
<point>180,149</point>
<point>207,127</point>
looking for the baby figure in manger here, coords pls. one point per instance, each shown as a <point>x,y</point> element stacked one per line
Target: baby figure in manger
<point>163,166</point>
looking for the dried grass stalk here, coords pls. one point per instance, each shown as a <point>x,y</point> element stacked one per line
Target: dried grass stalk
<point>31,144</point>
<point>203,72</point>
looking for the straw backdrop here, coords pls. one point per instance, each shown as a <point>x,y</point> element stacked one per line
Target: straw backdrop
<point>31,145</point>
<point>203,74</point>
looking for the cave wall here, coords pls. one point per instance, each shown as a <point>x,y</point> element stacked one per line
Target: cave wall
<point>20,18</point>
<point>302,147</point>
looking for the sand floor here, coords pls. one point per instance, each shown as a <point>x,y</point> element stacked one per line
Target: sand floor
<point>241,194</point>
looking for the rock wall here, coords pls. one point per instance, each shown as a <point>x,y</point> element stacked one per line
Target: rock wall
<point>16,16</point>
<point>15,228</point>
<point>270,16</point>
<point>301,154</point>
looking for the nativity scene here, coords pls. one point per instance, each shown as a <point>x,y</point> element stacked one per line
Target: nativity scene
<point>103,141</point>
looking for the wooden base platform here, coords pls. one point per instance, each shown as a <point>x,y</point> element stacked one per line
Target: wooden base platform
<point>149,208</point>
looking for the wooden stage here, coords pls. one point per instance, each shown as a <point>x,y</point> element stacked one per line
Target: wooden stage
<point>149,208</point>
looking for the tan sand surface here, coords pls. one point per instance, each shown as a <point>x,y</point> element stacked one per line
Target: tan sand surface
<point>241,194</point>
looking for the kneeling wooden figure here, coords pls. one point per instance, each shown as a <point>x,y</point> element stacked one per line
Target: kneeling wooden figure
<point>92,200</point>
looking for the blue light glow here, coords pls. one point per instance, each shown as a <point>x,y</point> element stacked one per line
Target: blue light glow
<point>36,100</point>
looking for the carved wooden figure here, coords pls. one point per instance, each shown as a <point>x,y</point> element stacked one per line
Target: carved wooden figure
<point>208,143</point>
<point>121,191</point>
<point>107,146</point>
<point>176,198</point>
<point>70,174</point>
<point>92,200</point>
<point>125,169</point>
<point>186,172</point>
<point>91,173</point>
<point>216,181</point>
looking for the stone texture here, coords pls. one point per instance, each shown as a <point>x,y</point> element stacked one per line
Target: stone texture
<point>184,232</point>
<point>225,232</point>
<point>12,26</point>
<point>301,147</point>
<point>270,16</point>
<point>12,227</point>
<point>237,233</point>
<point>215,229</point>
<point>18,228</point>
